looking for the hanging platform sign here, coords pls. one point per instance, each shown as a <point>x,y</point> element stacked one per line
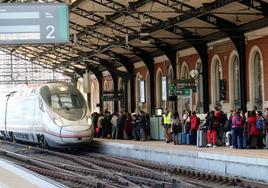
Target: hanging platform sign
<point>34,23</point>
<point>184,92</point>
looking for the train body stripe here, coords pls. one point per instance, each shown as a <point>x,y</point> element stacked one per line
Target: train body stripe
<point>64,136</point>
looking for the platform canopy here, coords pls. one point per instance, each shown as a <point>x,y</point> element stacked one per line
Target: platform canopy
<point>109,35</point>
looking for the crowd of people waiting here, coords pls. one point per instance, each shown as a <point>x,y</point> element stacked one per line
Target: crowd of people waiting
<point>239,130</point>
<point>122,125</point>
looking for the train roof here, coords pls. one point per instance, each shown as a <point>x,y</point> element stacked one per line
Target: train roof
<point>33,89</point>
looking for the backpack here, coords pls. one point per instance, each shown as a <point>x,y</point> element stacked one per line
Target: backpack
<point>260,124</point>
<point>238,120</point>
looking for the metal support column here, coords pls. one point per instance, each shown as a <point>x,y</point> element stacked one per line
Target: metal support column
<point>115,81</point>
<point>132,95</point>
<point>241,48</point>
<point>152,86</point>
<point>149,62</point>
<point>99,77</point>
<point>125,96</point>
<point>202,50</point>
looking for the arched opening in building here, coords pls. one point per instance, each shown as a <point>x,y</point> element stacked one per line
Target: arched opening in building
<point>186,99</point>
<point>159,94</point>
<point>94,96</point>
<point>216,76</point>
<point>234,81</point>
<point>185,72</point>
<point>256,78</point>
<point>138,104</point>
<point>107,89</point>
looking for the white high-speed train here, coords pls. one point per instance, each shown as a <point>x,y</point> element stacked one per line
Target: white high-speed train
<point>53,114</point>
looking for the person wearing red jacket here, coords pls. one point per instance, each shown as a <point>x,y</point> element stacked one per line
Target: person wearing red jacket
<point>194,127</point>
<point>254,133</point>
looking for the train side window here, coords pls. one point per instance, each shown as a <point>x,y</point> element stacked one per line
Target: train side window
<point>41,105</point>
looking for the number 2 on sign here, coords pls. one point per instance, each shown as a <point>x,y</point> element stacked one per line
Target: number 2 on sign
<point>51,30</point>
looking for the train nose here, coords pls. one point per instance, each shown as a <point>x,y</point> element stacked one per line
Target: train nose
<point>74,134</point>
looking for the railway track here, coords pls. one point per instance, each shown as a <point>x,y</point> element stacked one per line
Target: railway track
<point>85,169</point>
<point>199,178</point>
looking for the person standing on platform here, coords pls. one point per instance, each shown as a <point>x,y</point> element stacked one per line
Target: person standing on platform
<point>114,122</point>
<point>136,126</point>
<point>107,124</point>
<point>194,127</point>
<point>237,130</point>
<point>128,126</point>
<point>100,124</point>
<point>228,129</point>
<point>254,133</point>
<point>166,123</point>
<point>142,125</point>
<point>176,127</point>
<point>147,127</point>
<point>121,123</point>
<point>260,125</point>
<point>212,126</point>
<point>217,114</point>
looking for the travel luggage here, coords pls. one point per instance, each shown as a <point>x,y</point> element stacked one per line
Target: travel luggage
<point>188,139</point>
<point>244,141</point>
<point>253,142</point>
<point>201,138</point>
<point>183,141</point>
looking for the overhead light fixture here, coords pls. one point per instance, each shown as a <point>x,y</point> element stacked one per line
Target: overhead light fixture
<point>144,34</point>
<point>79,66</point>
<point>68,70</point>
<point>145,42</point>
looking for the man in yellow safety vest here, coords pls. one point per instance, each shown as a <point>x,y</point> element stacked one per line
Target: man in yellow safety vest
<point>166,123</point>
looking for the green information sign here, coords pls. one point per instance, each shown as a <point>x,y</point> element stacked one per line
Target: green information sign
<point>171,89</point>
<point>184,92</point>
<point>34,23</point>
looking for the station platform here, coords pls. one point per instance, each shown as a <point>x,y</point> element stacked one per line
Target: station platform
<point>13,176</point>
<point>250,164</point>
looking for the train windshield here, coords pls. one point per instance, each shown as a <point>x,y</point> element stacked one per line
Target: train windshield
<point>68,106</point>
<point>65,101</point>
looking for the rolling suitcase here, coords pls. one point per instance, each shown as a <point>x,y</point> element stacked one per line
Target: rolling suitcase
<point>253,142</point>
<point>183,140</point>
<point>188,139</point>
<point>201,138</point>
<point>244,141</point>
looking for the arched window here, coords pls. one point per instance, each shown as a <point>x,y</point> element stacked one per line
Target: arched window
<point>185,72</point>
<point>236,81</point>
<point>257,79</point>
<point>218,74</point>
<point>186,102</point>
<point>159,94</point>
